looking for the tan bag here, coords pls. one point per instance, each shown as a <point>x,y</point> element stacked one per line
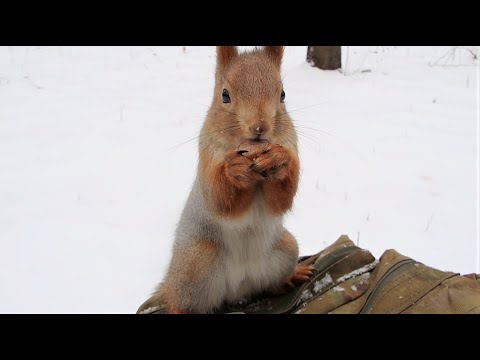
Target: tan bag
<point>348,280</point>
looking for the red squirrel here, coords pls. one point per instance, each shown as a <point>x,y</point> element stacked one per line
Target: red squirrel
<point>230,242</point>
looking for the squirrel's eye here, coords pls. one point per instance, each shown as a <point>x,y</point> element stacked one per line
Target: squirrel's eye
<point>225,96</point>
<point>282,97</point>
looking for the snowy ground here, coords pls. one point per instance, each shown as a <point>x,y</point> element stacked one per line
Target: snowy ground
<point>93,176</point>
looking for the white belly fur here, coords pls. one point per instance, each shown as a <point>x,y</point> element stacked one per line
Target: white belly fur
<point>251,264</point>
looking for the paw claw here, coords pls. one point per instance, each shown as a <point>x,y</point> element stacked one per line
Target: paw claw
<point>239,166</point>
<point>301,274</point>
<point>272,161</point>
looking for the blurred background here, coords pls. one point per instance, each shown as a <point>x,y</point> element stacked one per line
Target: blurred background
<point>98,152</point>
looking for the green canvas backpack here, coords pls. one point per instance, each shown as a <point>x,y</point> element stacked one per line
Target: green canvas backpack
<point>349,280</point>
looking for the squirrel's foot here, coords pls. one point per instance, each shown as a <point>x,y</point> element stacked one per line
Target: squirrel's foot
<point>300,275</point>
<point>176,311</point>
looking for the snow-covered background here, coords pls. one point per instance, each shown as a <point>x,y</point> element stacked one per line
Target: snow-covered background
<point>94,168</point>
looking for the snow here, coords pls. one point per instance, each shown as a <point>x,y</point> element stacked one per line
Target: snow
<point>95,163</point>
<point>317,287</point>
<point>360,271</point>
<point>320,284</point>
<point>338,289</point>
<point>306,295</point>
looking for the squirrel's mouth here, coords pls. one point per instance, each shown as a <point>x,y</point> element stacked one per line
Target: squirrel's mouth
<point>258,138</point>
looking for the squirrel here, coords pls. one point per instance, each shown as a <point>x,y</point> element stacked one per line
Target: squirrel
<point>230,243</point>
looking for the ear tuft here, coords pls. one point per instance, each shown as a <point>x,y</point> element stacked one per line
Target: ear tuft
<point>275,53</point>
<point>225,54</point>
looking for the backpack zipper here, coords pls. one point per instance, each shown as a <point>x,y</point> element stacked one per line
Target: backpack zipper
<point>382,282</point>
<point>320,265</point>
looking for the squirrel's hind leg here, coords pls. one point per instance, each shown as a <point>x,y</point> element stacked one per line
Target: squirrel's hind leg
<point>189,286</point>
<point>294,274</point>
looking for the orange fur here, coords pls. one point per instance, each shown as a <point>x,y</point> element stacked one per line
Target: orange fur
<point>300,273</point>
<point>287,243</point>
<point>176,312</point>
<point>194,266</point>
<point>254,84</point>
<point>282,168</point>
<point>229,185</point>
<point>275,53</point>
<point>225,54</point>
<point>299,276</point>
<point>253,118</point>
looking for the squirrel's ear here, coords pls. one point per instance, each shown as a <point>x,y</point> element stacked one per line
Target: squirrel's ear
<point>225,54</point>
<point>275,53</point>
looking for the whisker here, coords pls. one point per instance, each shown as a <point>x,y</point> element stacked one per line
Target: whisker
<point>301,126</point>
<point>228,128</point>
<point>302,108</point>
<point>287,139</point>
<point>209,135</point>
<point>301,133</point>
<point>286,130</point>
<point>309,137</point>
<point>297,120</point>
<point>317,130</point>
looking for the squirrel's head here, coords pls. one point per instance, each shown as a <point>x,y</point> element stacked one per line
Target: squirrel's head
<point>248,101</point>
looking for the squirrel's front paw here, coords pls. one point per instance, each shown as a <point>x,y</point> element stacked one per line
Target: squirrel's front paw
<point>238,169</point>
<point>272,162</point>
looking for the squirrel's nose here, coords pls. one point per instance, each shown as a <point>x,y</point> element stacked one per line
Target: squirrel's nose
<point>258,129</point>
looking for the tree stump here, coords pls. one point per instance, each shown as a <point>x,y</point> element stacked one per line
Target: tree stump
<point>325,57</point>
